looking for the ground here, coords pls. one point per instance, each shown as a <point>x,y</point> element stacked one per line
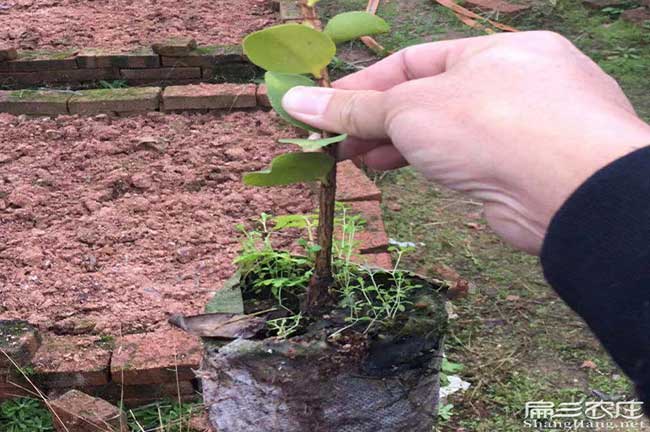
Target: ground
<point>516,339</point>
<point>110,225</point>
<point>60,24</point>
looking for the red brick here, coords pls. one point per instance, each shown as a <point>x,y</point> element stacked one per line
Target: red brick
<point>353,185</point>
<point>136,395</point>
<point>600,4</point>
<point>39,61</point>
<point>19,340</point>
<point>372,238</point>
<point>500,6</point>
<point>10,391</point>
<point>382,260</point>
<point>155,358</point>
<point>76,411</point>
<point>161,73</point>
<point>263,96</point>
<point>34,102</point>
<point>57,76</point>
<point>208,56</point>
<point>209,96</point>
<point>636,16</point>
<point>8,53</point>
<point>71,361</point>
<point>134,99</point>
<point>93,58</point>
<point>290,10</point>
<point>174,47</point>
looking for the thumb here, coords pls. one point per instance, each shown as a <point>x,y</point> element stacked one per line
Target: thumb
<point>358,113</point>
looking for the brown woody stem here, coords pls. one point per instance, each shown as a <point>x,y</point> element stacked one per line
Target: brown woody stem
<point>318,292</point>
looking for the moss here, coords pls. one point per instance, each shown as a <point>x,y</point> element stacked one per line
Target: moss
<point>46,55</point>
<point>39,96</point>
<point>10,329</point>
<point>115,93</point>
<point>206,50</point>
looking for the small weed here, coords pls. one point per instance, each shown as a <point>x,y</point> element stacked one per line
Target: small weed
<point>164,416</point>
<point>25,415</point>
<point>112,84</point>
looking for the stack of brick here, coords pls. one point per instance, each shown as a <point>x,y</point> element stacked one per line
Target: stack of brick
<point>136,369</point>
<point>165,63</point>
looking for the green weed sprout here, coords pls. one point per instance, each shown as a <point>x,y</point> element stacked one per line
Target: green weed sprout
<point>294,55</point>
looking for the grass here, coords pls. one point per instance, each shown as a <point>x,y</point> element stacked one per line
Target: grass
<point>31,415</point>
<point>516,338</point>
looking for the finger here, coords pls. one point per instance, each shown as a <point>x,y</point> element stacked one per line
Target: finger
<point>418,61</point>
<point>353,147</point>
<point>358,113</point>
<point>384,158</point>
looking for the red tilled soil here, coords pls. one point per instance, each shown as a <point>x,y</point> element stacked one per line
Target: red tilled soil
<point>32,24</point>
<point>109,225</point>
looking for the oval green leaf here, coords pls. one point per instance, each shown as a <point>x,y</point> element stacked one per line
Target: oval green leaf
<point>290,48</point>
<point>292,168</point>
<point>310,145</point>
<point>352,25</point>
<point>277,84</point>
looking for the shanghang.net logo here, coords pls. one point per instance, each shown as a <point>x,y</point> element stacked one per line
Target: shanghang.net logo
<point>583,415</point>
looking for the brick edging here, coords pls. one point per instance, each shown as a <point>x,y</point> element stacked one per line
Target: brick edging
<point>132,100</point>
<point>141,368</point>
<point>128,368</point>
<point>165,63</point>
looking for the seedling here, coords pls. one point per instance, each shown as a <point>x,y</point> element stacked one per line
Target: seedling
<point>293,54</point>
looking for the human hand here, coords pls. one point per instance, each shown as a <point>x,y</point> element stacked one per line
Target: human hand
<point>516,120</point>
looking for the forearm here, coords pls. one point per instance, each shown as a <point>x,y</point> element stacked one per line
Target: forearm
<point>596,255</point>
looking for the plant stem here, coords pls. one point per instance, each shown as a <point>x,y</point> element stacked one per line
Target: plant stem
<point>318,292</point>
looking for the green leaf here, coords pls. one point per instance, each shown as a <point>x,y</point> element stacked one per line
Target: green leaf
<point>310,145</point>
<point>277,85</point>
<point>294,221</point>
<point>292,168</point>
<point>290,48</point>
<point>352,25</point>
<point>312,3</point>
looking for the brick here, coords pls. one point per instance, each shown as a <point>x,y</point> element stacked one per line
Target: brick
<point>155,358</point>
<point>57,76</point>
<point>373,237</point>
<point>290,10</point>
<point>115,100</point>
<point>636,16</point>
<point>382,260</point>
<point>500,6</point>
<point>138,394</point>
<point>78,412</point>
<point>600,4</point>
<point>94,58</point>
<point>161,73</point>
<point>174,47</point>
<point>209,96</point>
<point>38,61</point>
<point>10,391</point>
<point>18,340</point>
<point>34,102</point>
<point>207,56</point>
<point>8,53</point>
<point>207,73</point>
<point>354,185</point>
<point>71,361</point>
<point>263,96</point>
<point>236,72</point>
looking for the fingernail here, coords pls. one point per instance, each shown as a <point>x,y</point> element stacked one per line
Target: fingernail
<point>307,100</point>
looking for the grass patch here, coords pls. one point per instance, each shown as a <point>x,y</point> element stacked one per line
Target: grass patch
<point>25,415</point>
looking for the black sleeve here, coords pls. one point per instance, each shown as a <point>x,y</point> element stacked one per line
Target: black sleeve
<point>596,255</point>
